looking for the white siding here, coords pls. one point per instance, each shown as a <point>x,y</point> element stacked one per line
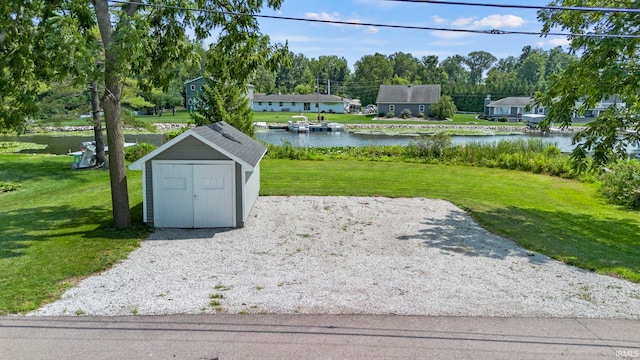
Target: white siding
<point>252,190</point>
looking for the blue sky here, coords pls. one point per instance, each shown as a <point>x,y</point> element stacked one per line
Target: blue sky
<point>353,42</point>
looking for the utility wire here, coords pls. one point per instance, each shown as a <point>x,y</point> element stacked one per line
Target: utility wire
<point>405,27</point>
<point>534,7</point>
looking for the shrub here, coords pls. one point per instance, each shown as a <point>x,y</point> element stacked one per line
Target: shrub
<point>391,114</point>
<point>422,115</point>
<point>6,186</point>
<point>621,184</point>
<point>406,114</point>
<point>172,134</point>
<point>133,153</point>
<point>503,119</point>
<point>444,108</point>
<point>430,147</point>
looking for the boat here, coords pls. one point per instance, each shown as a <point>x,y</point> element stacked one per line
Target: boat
<point>86,157</point>
<point>299,126</point>
<point>334,126</point>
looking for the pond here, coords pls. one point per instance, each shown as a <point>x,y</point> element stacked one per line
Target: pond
<point>329,139</point>
<point>64,143</point>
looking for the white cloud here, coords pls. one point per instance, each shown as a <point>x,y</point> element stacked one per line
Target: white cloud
<point>554,42</point>
<point>371,30</point>
<point>500,21</point>
<point>438,20</point>
<point>462,21</point>
<point>324,16</point>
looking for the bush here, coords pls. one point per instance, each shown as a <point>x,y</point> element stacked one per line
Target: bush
<point>406,114</point>
<point>133,153</point>
<point>6,186</point>
<point>502,119</point>
<point>444,108</point>
<point>391,114</point>
<point>422,115</point>
<point>621,184</point>
<point>430,147</point>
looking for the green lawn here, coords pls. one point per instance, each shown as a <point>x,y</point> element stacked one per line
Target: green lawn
<point>55,228</point>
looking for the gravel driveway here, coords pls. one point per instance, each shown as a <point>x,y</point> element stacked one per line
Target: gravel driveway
<point>346,255</point>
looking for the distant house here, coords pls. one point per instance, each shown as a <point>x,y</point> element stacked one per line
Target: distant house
<point>193,89</point>
<point>301,103</point>
<point>604,104</point>
<point>416,98</point>
<point>511,108</point>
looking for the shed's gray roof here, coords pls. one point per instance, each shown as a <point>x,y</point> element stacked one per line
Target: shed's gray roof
<point>234,141</point>
<point>408,94</point>
<point>515,101</point>
<point>220,136</point>
<point>300,98</point>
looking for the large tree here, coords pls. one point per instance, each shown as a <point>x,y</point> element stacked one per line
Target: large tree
<point>369,73</point>
<point>43,39</point>
<point>608,67</point>
<point>479,62</point>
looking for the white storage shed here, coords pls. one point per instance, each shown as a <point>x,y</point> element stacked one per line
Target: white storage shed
<point>207,177</point>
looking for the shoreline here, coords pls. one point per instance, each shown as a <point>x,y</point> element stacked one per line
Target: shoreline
<point>403,129</point>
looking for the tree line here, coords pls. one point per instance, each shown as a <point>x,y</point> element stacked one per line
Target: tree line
<point>467,79</point>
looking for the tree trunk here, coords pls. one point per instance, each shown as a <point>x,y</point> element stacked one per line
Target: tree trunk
<point>113,120</point>
<point>97,124</point>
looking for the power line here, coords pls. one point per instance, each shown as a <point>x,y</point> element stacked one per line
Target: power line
<point>534,7</point>
<point>404,27</point>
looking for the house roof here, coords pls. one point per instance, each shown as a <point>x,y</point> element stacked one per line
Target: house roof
<point>220,136</point>
<point>192,80</point>
<point>408,94</point>
<point>515,101</point>
<point>300,98</point>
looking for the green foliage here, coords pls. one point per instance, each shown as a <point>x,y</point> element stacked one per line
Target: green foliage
<point>129,120</point>
<point>390,114</point>
<point>172,134</point>
<point>406,114</point>
<point>6,186</point>
<point>133,153</point>
<point>224,101</point>
<point>430,147</point>
<point>621,184</point>
<point>444,108</point>
<point>607,69</point>
<point>530,156</point>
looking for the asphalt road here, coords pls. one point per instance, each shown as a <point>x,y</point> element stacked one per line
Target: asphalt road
<point>225,337</point>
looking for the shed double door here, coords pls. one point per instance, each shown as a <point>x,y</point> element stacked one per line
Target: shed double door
<point>193,195</point>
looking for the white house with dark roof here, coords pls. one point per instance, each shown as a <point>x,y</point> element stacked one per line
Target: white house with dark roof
<point>301,103</point>
<point>416,98</point>
<point>514,107</point>
<point>511,108</point>
<point>207,177</point>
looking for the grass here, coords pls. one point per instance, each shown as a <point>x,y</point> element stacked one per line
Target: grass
<point>564,219</point>
<point>56,229</point>
<point>182,116</point>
